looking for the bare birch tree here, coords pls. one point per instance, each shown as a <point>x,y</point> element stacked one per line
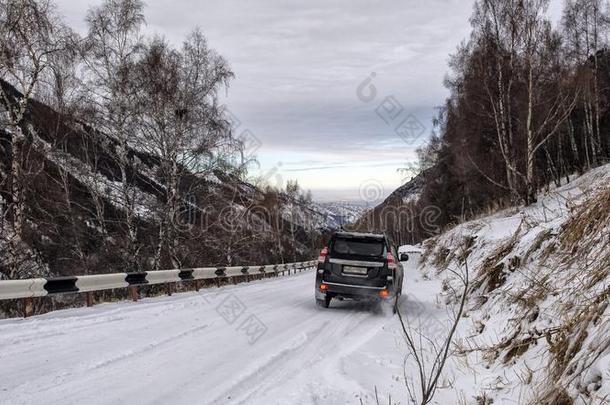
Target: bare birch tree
<point>32,34</point>
<point>111,50</point>
<point>585,26</point>
<point>180,122</point>
<point>500,22</point>
<point>548,107</point>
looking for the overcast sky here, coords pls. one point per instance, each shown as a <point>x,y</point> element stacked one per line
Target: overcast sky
<point>301,69</point>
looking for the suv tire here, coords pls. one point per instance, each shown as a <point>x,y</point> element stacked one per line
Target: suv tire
<point>325,303</point>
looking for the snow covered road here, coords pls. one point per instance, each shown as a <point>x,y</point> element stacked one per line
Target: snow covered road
<point>259,343</point>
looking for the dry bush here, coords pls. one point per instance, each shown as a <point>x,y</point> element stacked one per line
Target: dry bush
<point>537,244</point>
<point>568,341</point>
<point>492,271</point>
<point>557,397</point>
<point>442,258</point>
<point>428,246</point>
<point>468,243</point>
<point>589,220</point>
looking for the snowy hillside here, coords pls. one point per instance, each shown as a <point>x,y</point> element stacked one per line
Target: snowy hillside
<point>537,322</point>
<point>78,211</point>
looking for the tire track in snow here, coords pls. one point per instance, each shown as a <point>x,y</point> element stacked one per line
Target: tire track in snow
<point>58,379</point>
<point>147,348</point>
<point>250,381</point>
<point>321,355</point>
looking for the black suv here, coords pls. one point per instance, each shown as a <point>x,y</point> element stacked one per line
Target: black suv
<point>358,266</point>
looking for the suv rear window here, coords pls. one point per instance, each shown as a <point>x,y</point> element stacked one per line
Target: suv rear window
<point>358,246</point>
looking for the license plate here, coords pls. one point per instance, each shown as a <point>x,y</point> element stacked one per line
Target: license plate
<point>355,270</point>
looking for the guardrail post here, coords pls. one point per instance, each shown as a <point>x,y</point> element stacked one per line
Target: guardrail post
<point>28,307</point>
<point>133,292</point>
<point>89,298</point>
<point>218,282</point>
<point>168,288</point>
<point>197,285</point>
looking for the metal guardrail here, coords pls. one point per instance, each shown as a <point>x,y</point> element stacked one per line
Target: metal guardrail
<point>41,287</point>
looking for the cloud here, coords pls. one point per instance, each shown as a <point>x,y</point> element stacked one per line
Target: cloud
<point>298,65</point>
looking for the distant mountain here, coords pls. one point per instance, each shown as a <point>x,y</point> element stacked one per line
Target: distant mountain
<point>340,213</point>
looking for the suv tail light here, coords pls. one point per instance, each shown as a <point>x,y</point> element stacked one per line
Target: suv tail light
<point>323,254</point>
<point>391,261</point>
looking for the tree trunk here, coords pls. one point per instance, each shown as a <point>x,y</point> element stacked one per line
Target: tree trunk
<point>591,160</point>
<point>129,205</point>
<point>502,132</point>
<point>574,146</point>
<point>160,243</point>
<point>530,188</point>
<point>17,203</point>
<point>552,168</point>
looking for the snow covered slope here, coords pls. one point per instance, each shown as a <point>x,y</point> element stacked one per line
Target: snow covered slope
<point>537,322</point>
